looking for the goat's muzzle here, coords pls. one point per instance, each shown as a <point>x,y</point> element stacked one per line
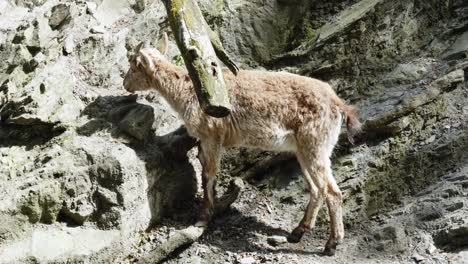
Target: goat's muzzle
<point>127,84</point>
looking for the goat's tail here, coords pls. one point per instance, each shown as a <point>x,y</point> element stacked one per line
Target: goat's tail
<point>353,125</point>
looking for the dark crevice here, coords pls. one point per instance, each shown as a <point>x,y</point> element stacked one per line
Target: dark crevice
<point>63,217</point>
<point>33,50</point>
<point>17,39</point>
<point>11,68</point>
<point>452,240</point>
<point>28,135</point>
<point>30,66</point>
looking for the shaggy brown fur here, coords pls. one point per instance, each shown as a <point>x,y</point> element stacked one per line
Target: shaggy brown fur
<point>272,111</point>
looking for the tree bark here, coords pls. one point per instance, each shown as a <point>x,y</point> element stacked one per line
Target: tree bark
<point>200,47</point>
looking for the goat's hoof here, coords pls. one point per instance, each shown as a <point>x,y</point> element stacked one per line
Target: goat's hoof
<point>204,218</point>
<point>329,252</point>
<point>295,236</point>
<point>330,248</point>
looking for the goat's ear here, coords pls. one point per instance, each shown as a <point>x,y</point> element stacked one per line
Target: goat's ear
<point>163,44</point>
<point>145,59</point>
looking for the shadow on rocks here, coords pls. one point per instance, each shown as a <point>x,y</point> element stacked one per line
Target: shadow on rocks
<point>170,175</point>
<point>234,232</point>
<point>29,135</point>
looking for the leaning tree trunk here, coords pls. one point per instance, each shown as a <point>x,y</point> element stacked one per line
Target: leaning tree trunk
<point>199,47</point>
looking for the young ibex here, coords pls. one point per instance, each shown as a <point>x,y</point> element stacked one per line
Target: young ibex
<point>270,110</point>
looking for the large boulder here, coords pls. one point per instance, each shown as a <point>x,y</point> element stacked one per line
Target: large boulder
<point>78,159</point>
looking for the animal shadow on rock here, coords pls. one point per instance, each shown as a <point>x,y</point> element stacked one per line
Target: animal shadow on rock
<point>170,175</point>
<point>240,233</point>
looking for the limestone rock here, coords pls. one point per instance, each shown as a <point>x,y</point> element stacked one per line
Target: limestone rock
<point>91,7</point>
<point>247,260</point>
<point>409,72</point>
<point>453,237</point>
<point>47,98</point>
<point>391,238</point>
<point>69,44</point>
<point>459,48</point>
<point>12,227</point>
<point>450,79</point>
<point>60,16</point>
<point>139,5</point>
<point>345,19</point>
<point>30,3</point>
<point>138,121</point>
<point>42,203</point>
<point>110,11</point>
<point>276,240</point>
<point>461,257</point>
<point>12,16</point>
<point>260,34</point>
<point>59,244</point>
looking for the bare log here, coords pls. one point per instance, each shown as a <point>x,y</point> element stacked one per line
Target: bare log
<point>199,47</point>
<point>176,240</point>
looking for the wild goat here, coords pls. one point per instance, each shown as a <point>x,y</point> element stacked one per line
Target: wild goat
<point>276,111</point>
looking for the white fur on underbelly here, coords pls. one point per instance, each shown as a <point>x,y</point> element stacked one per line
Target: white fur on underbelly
<point>272,137</point>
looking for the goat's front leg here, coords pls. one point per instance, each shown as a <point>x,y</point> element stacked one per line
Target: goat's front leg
<point>209,155</point>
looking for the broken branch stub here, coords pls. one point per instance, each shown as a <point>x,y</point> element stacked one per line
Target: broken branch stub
<point>194,42</point>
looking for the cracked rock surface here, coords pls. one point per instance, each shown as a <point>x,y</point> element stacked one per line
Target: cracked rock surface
<point>91,174</point>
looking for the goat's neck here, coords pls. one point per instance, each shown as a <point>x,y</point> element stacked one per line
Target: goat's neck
<point>171,83</point>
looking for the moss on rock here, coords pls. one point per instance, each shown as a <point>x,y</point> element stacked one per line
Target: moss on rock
<point>43,203</point>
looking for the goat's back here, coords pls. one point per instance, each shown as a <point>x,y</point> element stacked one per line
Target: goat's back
<point>270,108</point>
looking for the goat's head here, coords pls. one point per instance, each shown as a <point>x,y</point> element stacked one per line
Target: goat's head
<point>143,64</point>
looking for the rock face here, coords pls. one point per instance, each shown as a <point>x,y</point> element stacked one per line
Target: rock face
<point>72,145</point>
<point>85,167</point>
<point>261,34</point>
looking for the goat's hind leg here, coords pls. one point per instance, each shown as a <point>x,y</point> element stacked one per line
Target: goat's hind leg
<point>319,169</point>
<point>209,154</point>
<point>313,207</point>
<point>334,202</point>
